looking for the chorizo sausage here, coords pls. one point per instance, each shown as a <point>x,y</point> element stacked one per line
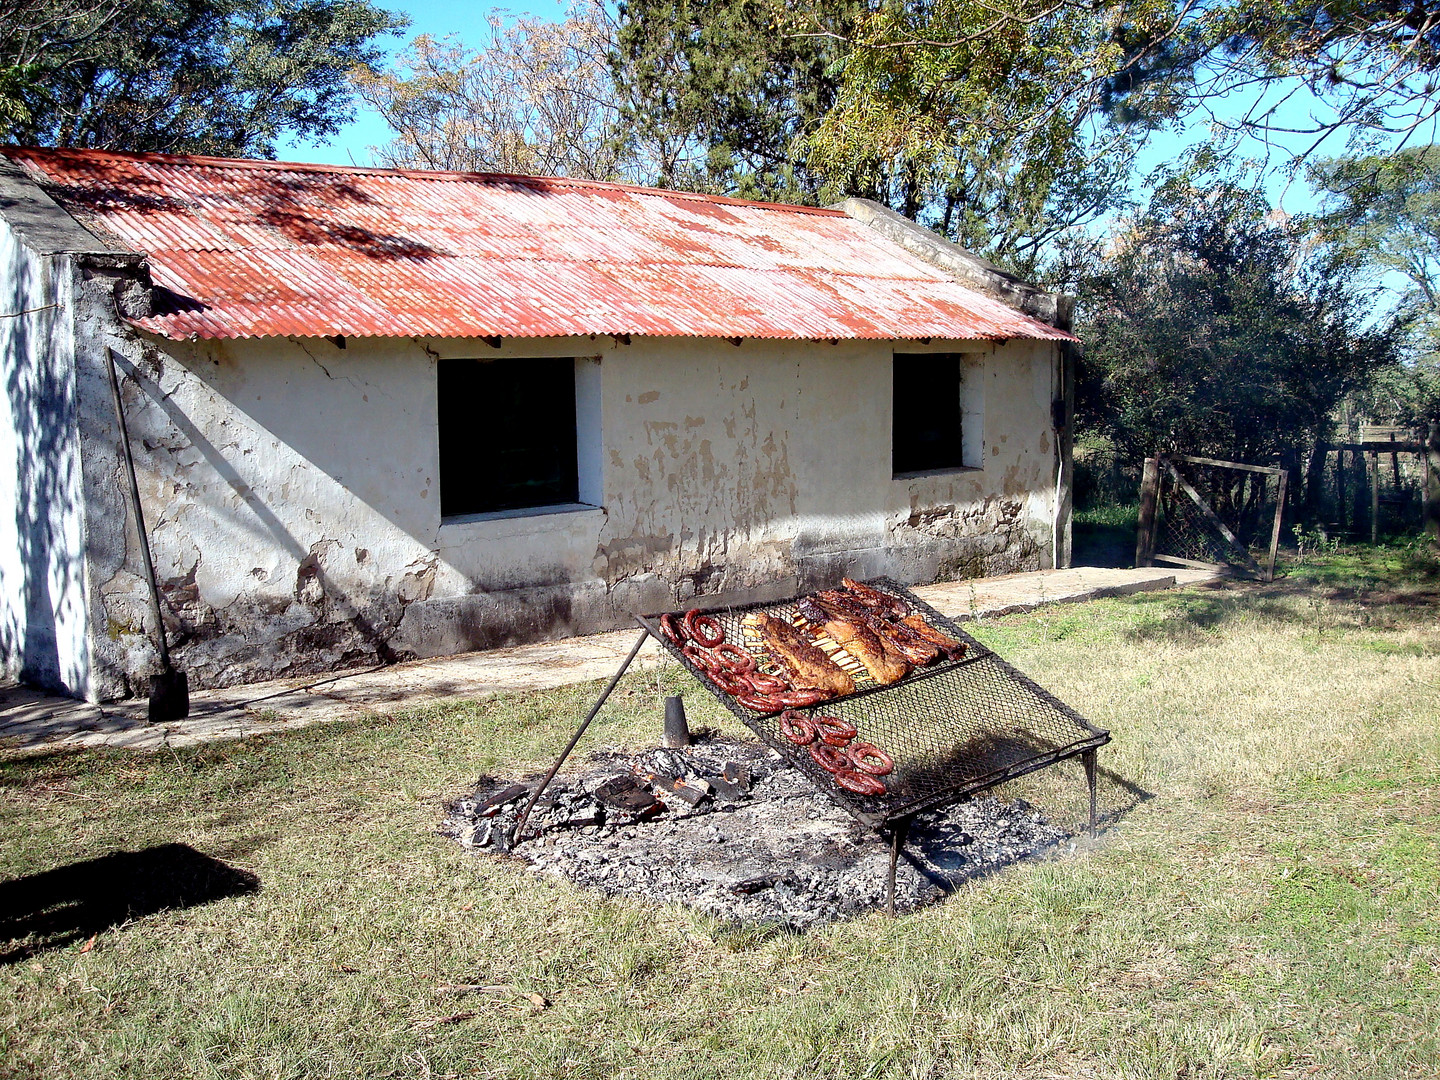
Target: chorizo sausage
<point>797,727</point>
<point>861,783</point>
<point>828,757</point>
<point>742,660</point>
<point>671,631</point>
<point>833,730</point>
<point>869,758</point>
<point>703,629</point>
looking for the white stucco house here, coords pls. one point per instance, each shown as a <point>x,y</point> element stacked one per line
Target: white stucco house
<point>382,414</point>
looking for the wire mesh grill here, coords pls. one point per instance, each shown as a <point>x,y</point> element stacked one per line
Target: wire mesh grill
<point>952,728</point>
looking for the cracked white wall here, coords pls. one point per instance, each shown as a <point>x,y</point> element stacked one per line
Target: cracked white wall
<point>292,494</point>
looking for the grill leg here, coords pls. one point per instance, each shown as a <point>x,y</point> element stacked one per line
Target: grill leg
<point>1088,757</point>
<point>897,841</point>
<point>524,817</point>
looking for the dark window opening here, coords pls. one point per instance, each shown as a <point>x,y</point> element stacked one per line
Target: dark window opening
<point>507,435</point>
<point>927,413</point>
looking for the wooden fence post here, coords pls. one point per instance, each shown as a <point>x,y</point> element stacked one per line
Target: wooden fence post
<point>1430,454</point>
<point>1342,492</point>
<point>1149,494</point>
<point>1275,529</point>
<point>1374,497</point>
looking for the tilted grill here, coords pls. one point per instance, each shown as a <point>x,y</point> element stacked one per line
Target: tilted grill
<point>952,728</point>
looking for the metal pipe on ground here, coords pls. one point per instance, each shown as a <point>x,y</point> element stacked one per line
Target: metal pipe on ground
<point>169,690</point>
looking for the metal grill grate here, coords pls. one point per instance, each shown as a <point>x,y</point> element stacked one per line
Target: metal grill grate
<point>952,728</point>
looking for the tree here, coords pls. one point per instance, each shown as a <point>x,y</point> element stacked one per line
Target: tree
<point>538,99</point>
<point>1209,332</point>
<point>726,92</point>
<point>184,76</point>
<point>1382,217</point>
<point>759,98</point>
<point>1370,67</point>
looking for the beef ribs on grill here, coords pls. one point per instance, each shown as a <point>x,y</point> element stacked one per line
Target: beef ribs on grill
<point>854,634</point>
<point>952,648</point>
<point>897,637</point>
<point>805,665</point>
<point>882,603</point>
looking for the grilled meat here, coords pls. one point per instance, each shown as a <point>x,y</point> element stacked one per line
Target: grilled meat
<point>882,603</point>
<point>900,641</point>
<point>856,636</point>
<point>905,640</point>
<point>952,648</point>
<point>800,658</point>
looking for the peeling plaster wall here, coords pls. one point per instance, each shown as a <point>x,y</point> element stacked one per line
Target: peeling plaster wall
<point>43,613</point>
<point>292,495</point>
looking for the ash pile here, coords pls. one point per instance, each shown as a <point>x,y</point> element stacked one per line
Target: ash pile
<point>731,829</point>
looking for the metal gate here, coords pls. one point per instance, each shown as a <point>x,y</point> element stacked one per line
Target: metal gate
<point>1210,514</point>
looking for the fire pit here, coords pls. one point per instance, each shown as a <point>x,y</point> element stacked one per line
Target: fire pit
<point>944,730</point>
<point>764,847</point>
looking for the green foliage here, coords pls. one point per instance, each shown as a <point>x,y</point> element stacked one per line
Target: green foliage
<point>1382,217</point>
<point>190,76</point>
<point>1206,333</point>
<point>983,124</point>
<point>724,93</point>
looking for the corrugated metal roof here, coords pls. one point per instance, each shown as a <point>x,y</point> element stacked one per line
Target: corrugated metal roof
<point>257,248</point>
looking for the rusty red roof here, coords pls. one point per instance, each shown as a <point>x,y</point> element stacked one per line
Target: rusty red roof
<point>256,248</point>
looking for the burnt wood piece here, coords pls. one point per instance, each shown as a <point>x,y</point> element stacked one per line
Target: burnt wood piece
<point>491,806</point>
<point>736,774</point>
<point>628,794</point>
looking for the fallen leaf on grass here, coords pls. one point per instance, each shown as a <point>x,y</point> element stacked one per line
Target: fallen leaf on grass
<point>453,1018</point>
<point>538,1001</point>
<point>89,944</point>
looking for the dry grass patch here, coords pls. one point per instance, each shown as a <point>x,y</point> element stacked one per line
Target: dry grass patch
<point>1262,904</point>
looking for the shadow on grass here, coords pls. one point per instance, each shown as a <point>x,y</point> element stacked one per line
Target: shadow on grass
<point>55,908</point>
<point>1117,796</point>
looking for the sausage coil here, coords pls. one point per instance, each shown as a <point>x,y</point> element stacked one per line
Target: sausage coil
<point>703,629</point>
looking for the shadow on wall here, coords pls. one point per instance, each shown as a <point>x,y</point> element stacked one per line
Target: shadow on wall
<point>270,524</point>
<point>40,397</point>
<point>58,907</point>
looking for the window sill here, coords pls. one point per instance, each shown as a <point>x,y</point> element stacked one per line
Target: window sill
<point>954,470</point>
<point>519,512</point>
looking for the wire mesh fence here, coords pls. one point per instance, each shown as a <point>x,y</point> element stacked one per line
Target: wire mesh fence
<point>1205,512</point>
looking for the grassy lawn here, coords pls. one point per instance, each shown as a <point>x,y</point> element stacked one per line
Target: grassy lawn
<point>1265,900</point>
